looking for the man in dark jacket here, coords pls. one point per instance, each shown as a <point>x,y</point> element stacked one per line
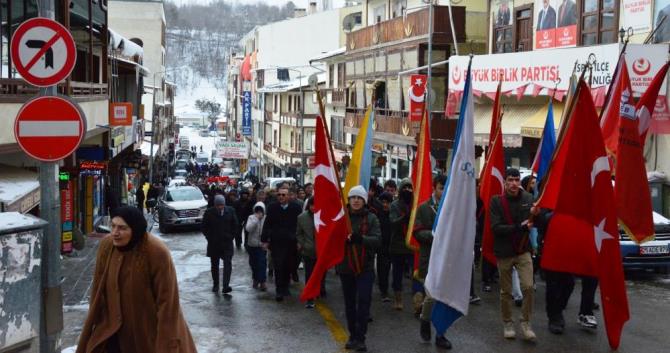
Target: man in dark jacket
<point>219,225</point>
<point>401,255</point>
<point>243,211</point>
<point>357,268</point>
<point>423,232</point>
<point>307,245</point>
<point>510,221</point>
<point>279,235</point>
<point>383,256</point>
<point>139,196</point>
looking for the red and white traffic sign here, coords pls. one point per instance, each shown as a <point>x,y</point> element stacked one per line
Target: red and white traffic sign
<point>43,51</point>
<point>49,128</point>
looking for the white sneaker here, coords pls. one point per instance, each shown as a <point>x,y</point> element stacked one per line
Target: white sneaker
<point>508,330</point>
<point>588,321</point>
<point>527,332</point>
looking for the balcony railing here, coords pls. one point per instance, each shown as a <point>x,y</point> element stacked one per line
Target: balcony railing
<point>339,97</point>
<point>14,90</point>
<point>415,24</point>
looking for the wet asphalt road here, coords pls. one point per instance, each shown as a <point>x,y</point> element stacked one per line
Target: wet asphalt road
<point>251,321</point>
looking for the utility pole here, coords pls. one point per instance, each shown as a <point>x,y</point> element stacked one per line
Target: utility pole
<point>51,323</point>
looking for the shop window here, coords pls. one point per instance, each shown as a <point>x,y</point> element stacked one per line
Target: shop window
<point>340,75</point>
<point>331,75</point>
<point>598,22</point>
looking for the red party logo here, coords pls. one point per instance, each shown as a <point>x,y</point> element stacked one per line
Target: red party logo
<point>456,75</point>
<point>641,66</point>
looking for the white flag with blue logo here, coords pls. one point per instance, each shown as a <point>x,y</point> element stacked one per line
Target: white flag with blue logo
<point>450,267</point>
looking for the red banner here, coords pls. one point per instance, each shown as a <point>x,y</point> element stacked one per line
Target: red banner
<point>660,122</point>
<point>416,92</point>
<point>566,36</point>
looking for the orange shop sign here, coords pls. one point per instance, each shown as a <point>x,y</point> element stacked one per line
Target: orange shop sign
<point>120,114</point>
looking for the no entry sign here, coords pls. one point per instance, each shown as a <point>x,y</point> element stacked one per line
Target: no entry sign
<point>49,128</point>
<point>43,51</point>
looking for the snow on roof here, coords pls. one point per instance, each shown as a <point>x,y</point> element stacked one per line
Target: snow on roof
<point>146,148</point>
<point>127,47</point>
<point>143,69</point>
<point>15,183</point>
<point>329,54</point>
<point>13,220</point>
<point>285,86</point>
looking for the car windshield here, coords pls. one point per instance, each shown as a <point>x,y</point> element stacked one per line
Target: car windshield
<point>183,194</point>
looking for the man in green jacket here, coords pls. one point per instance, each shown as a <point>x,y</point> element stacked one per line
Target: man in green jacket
<point>423,232</point>
<point>307,245</point>
<point>510,222</point>
<point>401,255</point>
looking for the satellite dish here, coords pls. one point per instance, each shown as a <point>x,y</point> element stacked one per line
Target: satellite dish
<point>313,81</point>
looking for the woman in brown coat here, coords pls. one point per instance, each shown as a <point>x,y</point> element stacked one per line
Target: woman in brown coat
<point>135,299</point>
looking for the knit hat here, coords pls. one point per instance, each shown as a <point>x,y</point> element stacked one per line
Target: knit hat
<point>404,182</point>
<point>359,191</point>
<point>135,219</point>
<point>219,200</point>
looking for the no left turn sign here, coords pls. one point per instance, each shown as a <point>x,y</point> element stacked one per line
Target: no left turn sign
<point>43,51</point>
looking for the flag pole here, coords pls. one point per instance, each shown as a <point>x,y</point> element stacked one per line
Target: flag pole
<point>322,110</point>
<point>561,133</point>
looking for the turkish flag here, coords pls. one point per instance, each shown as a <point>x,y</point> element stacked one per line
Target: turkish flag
<point>582,237</point>
<point>492,179</point>
<point>330,221</point>
<point>609,122</point>
<point>417,94</point>
<point>633,205</point>
<point>422,179</point>
<point>646,104</point>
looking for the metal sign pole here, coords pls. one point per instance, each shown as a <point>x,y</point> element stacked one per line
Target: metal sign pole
<point>52,297</point>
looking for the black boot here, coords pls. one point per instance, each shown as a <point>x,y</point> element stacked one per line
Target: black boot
<point>425,330</point>
<point>215,288</point>
<point>442,342</point>
<point>352,343</point>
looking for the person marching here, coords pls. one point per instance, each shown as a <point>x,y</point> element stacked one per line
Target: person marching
<point>219,225</point>
<point>356,271</point>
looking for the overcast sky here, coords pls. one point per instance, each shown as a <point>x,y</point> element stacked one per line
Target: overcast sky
<point>298,3</point>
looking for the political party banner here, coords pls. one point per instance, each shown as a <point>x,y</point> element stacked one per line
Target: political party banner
<point>537,72</point>
<point>662,21</point>
<point>416,92</point>
<point>556,23</point>
<point>637,14</point>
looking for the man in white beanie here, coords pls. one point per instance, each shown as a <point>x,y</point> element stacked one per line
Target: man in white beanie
<point>357,268</point>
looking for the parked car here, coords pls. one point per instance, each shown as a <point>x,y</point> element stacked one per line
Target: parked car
<point>203,133</point>
<point>213,134</point>
<point>180,206</point>
<point>202,157</point>
<point>653,254</point>
<point>180,173</point>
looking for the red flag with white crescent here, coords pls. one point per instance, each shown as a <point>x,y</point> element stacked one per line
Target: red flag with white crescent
<point>417,93</point>
<point>331,224</point>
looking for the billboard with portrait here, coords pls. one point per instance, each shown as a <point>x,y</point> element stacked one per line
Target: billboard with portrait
<point>662,18</point>
<point>501,22</point>
<point>555,23</point>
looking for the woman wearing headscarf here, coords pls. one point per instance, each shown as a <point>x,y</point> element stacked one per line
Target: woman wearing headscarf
<point>135,298</point>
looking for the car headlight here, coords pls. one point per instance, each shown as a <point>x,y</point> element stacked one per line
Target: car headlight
<point>202,211</point>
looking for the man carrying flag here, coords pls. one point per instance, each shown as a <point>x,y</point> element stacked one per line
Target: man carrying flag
<point>451,256</point>
<point>511,222</point>
<point>582,236</point>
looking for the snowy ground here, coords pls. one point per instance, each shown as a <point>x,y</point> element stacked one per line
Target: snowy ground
<point>208,143</point>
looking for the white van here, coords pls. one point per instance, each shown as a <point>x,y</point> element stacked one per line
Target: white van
<point>274,182</point>
<point>183,142</point>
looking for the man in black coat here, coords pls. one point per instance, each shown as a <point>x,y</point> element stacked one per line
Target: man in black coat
<point>243,210</point>
<point>219,225</point>
<point>279,235</point>
<point>139,196</point>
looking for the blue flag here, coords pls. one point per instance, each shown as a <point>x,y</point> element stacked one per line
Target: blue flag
<point>547,145</point>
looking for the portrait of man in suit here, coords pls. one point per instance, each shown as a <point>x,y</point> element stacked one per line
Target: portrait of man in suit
<point>663,32</point>
<point>547,17</point>
<point>567,16</point>
<point>504,16</point>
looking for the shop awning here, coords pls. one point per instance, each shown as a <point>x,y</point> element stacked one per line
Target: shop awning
<point>514,117</point>
<point>534,126</point>
<point>19,189</point>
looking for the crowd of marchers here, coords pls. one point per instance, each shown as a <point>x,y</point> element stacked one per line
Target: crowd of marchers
<point>135,297</point>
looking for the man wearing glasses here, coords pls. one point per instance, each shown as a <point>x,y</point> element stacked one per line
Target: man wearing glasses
<point>279,236</point>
